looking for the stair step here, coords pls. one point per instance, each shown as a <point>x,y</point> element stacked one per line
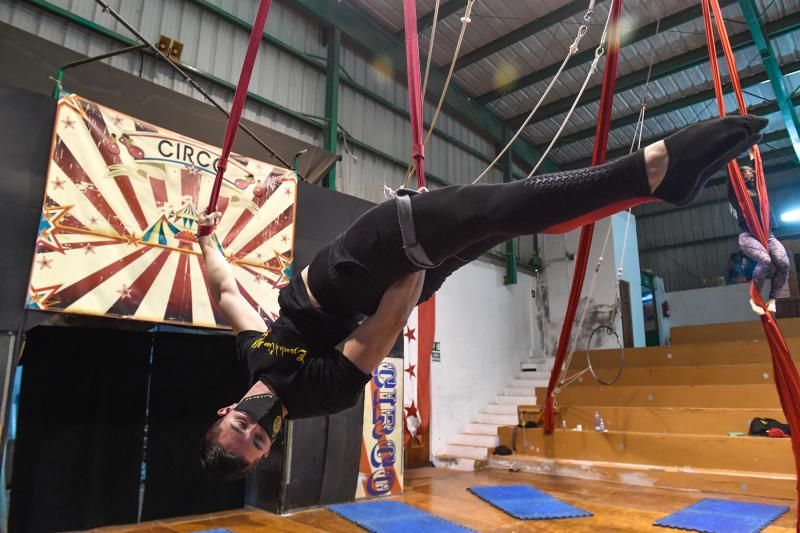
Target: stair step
<point>541,365</point>
<point>528,383</point>
<point>671,420</point>
<point>753,373</point>
<point>459,463</point>
<point>750,484</point>
<point>517,391</point>
<point>482,429</point>
<point>748,454</point>
<point>790,327</point>
<point>731,396</point>
<point>481,441</point>
<point>466,452</point>
<point>534,376</point>
<point>500,420</point>
<point>514,400</point>
<point>500,409</point>
<point>683,355</point>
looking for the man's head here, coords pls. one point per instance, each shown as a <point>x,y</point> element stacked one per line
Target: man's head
<point>234,445</point>
<point>748,173</point>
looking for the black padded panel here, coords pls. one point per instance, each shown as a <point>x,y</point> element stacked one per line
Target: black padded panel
<point>80,429</point>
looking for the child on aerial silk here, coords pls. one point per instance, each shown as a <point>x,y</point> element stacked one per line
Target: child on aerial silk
<point>764,258</point>
<point>341,315</point>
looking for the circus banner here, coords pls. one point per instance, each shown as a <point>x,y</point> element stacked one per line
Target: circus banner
<point>117,233</point>
<point>380,472</point>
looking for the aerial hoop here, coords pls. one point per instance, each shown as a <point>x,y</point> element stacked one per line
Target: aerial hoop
<point>609,331</point>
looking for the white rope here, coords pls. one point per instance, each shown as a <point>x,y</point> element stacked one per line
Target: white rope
<point>465,21</point>
<point>573,49</point>
<point>598,53</point>
<point>637,144</point>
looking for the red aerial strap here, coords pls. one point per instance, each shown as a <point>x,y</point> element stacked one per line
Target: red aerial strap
<point>787,380</point>
<point>414,89</point>
<point>239,98</point>
<point>426,312</point>
<point>585,245</point>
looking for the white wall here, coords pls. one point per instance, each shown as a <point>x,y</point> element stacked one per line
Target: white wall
<point>712,305</point>
<point>485,331</point>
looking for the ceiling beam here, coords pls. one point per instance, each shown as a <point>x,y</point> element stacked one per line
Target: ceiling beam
<point>546,21</point>
<point>692,58</point>
<point>668,107</point>
<point>376,42</point>
<point>426,21</point>
<point>771,65</point>
<point>585,57</point>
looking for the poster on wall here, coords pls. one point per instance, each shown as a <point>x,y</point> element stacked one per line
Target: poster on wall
<point>380,471</point>
<point>117,233</point>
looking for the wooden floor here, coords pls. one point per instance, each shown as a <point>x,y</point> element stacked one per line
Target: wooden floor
<point>443,492</point>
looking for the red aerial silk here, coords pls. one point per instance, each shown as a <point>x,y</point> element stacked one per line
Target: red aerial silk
<point>585,245</point>
<point>239,98</point>
<point>787,380</point>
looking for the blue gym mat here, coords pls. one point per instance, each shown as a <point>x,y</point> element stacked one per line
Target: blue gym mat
<point>527,503</point>
<point>724,516</point>
<point>214,531</point>
<point>394,517</point>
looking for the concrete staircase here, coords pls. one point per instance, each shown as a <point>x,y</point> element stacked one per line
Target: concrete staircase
<point>471,449</point>
<point>671,418</point>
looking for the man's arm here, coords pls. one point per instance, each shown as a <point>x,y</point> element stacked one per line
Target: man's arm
<point>374,338</point>
<point>240,315</point>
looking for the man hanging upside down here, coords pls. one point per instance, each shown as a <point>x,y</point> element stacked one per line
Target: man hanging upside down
<point>341,315</point>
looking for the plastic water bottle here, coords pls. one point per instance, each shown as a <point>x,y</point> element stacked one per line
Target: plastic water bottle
<point>598,422</point>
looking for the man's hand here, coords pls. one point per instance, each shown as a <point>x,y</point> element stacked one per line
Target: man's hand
<point>204,219</point>
<point>206,223</point>
<point>374,338</point>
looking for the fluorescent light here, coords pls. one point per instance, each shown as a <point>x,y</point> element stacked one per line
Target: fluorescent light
<point>793,215</point>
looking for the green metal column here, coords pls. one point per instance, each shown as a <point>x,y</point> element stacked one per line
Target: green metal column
<point>770,60</point>
<point>511,246</point>
<point>332,98</point>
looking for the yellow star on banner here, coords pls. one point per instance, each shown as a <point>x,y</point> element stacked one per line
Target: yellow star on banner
<point>48,226</point>
<point>39,298</point>
<point>283,271</point>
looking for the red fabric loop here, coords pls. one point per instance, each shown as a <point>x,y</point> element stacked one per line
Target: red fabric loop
<point>418,151</point>
<point>787,380</point>
<point>239,98</point>
<point>585,245</point>
<point>204,231</point>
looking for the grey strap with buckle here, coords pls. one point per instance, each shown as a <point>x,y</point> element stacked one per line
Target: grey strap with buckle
<point>413,249</point>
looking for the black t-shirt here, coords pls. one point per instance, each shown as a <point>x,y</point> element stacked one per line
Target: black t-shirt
<point>297,357</point>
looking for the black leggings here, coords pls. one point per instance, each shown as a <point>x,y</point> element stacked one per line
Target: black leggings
<point>457,224</point>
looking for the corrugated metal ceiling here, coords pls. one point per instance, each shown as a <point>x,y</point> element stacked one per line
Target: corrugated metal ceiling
<point>493,19</point>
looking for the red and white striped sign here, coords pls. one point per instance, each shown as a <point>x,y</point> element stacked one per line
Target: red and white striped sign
<point>116,236</point>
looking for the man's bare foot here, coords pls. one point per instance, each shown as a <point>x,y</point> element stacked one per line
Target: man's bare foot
<point>656,160</point>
